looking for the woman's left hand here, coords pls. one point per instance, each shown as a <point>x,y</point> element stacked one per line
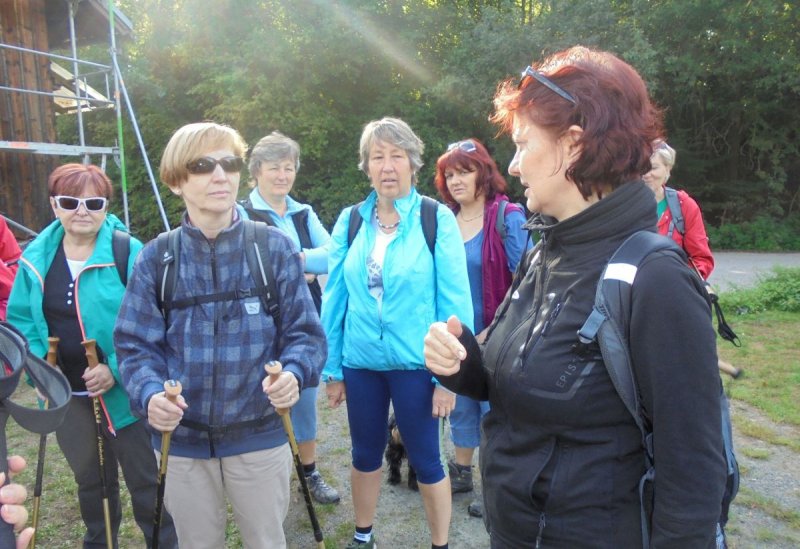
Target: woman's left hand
<point>443,402</point>
<point>99,380</point>
<point>284,392</point>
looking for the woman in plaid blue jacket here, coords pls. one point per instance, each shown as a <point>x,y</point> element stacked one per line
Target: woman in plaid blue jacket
<point>228,439</point>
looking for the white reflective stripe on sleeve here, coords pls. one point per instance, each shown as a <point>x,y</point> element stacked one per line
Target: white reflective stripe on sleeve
<point>624,272</point>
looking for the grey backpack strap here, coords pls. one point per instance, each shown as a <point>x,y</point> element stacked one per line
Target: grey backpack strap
<point>500,224</point>
<point>674,205</point>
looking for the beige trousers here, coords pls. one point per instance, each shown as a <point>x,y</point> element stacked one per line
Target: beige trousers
<point>255,483</point>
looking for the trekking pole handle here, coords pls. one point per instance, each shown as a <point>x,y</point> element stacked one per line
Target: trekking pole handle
<point>91,352</point>
<point>172,390</point>
<point>52,346</point>
<point>274,369</point>
<point>729,369</point>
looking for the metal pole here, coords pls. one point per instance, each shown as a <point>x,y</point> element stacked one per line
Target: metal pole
<point>118,108</point>
<point>78,102</point>
<point>135,126</point>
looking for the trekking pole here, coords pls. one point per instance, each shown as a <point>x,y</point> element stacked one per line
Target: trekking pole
<point>172,389</point>
<point>729,369</point>
<point>274,368</point>
<point>52,346</point>
<point>91,356</point>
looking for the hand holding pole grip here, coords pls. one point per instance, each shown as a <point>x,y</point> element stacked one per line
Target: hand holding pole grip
<point>274,369</point>
<point>90,345</point>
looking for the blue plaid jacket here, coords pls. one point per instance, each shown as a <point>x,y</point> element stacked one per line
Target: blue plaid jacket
<point>218,350</point>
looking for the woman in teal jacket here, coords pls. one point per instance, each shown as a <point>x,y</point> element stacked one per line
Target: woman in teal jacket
<point>383,291</point>
<point>68,286</point>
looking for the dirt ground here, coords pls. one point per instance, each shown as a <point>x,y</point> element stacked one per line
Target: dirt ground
<point>769,473</point>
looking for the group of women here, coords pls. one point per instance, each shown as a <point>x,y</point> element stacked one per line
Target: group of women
<point>560,455</point>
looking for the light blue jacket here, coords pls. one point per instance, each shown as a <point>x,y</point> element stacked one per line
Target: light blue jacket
<point>317,256</point>
<point>416,294</point>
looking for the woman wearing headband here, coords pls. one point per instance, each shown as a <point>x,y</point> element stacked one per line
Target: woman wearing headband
<point>561,455</point>
<point>69,286</point>
<point>469,182</point>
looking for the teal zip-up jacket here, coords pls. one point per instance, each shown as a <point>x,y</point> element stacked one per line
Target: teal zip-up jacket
<point>416,293</point>
<point>98,291</point>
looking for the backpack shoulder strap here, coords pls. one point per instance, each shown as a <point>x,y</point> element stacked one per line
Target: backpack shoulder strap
<point>500,224</point>
<point>354,224</point>
<point>256,252</point>
<point>674,205</point>
<point>300,220</point>
<point>121,248</point>
<point>168,245</point>
<point>608,325</point>
<point>430,223</point>
<point>256,215</point>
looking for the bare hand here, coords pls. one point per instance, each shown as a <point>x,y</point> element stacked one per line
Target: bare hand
<point>12,497</point>
<point>98,379</point>
<point>443,352</point>
<point>284,392</point>
<point>336,393</point>
<point>444,402</point>
<point>310,278</point>
<point>164,415</point>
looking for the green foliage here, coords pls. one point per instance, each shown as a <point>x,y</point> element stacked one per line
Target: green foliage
<point>727,74</point>
<point>765,234</point>
<point>778,292</point>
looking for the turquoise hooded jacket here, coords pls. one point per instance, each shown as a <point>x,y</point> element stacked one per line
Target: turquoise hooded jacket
<point>362,334</point>
<point>98,292</point>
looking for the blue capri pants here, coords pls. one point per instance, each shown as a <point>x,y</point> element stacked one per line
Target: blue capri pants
<point>304,415</point>
<point>410,392</point>
<point>465,421</point>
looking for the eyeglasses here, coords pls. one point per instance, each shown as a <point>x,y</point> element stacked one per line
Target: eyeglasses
<point>467,146</point>
<point>206,164</point>
<point>542,79</point>
<point>70,203</point>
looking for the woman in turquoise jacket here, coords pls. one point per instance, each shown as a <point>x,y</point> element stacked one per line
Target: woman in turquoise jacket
<point>383,291</point>
<point>68,286</point>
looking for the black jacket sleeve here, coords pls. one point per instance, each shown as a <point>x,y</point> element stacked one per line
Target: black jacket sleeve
<point>471,380</point>
<point>673,348</point>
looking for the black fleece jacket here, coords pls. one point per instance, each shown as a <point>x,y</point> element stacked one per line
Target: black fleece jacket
<point>561,457</point>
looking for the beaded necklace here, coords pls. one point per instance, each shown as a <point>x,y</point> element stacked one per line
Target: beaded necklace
<point>385,227</point>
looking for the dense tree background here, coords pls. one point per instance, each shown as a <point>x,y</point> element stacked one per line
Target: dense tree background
<point>727,73</point>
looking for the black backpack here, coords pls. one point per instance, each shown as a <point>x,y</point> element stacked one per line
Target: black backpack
<point>300,221</point>
<point>606,326</point>
<point>121,248</point>
<point>256,251</point>
<point>430,223</point>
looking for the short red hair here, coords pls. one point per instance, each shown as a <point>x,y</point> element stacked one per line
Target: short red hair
<point>74,179</point>
<point>489,182</point>
<point>612,106</point>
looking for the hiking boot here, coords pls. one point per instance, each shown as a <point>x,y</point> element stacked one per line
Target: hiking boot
<point>358,545</point>
<point>460,479</point>
<point>320,490</point>
<point>475,508</point>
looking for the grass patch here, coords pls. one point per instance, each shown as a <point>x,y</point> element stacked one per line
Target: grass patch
<point>770,357</point>
<point>749,498</point>
<point>752,429</point>
<point>755,453</point>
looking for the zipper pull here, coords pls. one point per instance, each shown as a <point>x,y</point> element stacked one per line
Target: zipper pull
<point>541,529</point>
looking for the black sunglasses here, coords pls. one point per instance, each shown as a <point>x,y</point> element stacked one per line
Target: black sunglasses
<point>542,79</point>
<point>467,146</point>
<point>206,164</point>
<point>70,203</point>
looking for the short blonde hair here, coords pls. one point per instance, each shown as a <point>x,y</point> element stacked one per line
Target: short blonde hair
<point>190,141</point>
<point>395,132</point>
<point>666,153</point>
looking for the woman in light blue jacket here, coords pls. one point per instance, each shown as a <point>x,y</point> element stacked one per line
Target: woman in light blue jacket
<point>274,163</point>
<point>385,287</point>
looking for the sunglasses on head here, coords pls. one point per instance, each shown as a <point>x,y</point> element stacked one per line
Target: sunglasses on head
<point>206,164</point>
<point>70,203</point>
<point>542,79</point>
<point>467,146</point>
